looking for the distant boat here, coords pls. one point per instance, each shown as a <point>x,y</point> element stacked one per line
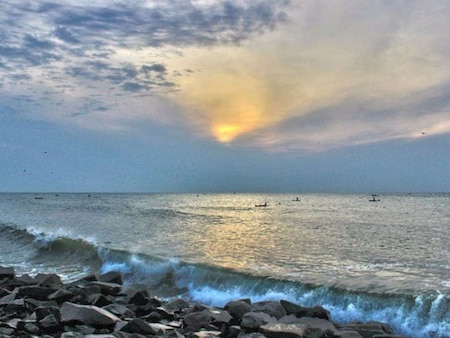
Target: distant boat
<point>261,205</point>
<point>38,197</point>
<point>296,200</point>
<point>374,198</point>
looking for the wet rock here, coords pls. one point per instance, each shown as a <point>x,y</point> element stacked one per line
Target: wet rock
<point>137,325</point>
<point>280,330</point>
<point>369,330</point>
<point>87,314</point>
<point>7,273</point>
<point>315,312</point>
<point>111,277</point>
<point>275,309</point>
<point>196,320</point>
<point>252,321</point>
<point>107,288</point>
<point>35,292</point>
<point>237,309</point>
<point>99,307</point>
<point>48,280</point>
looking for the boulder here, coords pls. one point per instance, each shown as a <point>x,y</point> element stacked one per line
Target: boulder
<point>196,320</point>
<point>252,321</point>
<point>175,305</point>
<point>7,272</point>
<point>86,314</point>
<point>138,325</point>
<point>48,280</point>
<point>111,277</point>
<point>280,330</point>
<point>275,309</point>
<point>238,308</point>
<point>314,311</point>
<point>139,297</point>
<point>218,316</point>
<point>107,288</point>
<point>35,292</point>
<point>368,330</point>
<point>289,307</point>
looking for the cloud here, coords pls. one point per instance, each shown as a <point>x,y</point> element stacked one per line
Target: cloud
<point>274,74</point>
<point>74,51</point>
<point>335,75</point>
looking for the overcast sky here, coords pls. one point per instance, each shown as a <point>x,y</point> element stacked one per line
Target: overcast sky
<point>224,96</point>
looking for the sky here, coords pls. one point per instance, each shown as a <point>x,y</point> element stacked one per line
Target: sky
<point>224,96</point>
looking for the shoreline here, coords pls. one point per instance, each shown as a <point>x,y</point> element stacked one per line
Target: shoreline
<point>100,306</point>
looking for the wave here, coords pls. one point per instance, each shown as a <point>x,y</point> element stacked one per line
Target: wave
<point>423,315</point>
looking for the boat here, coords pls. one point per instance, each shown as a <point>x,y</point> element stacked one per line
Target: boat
<point>374,198</point>
<point>38,197</point>
<point>261,205</point>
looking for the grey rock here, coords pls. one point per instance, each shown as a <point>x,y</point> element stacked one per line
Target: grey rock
<point>7,272</point>
<point>238,308</point>
<point>280,330</point>
<point>368,330</point>
<point>87,314</point>
<point>254,320</point>
<point>275,309</point>
<point>107,288</point>
<point>196,320</point>
<point>111,277</point>
<point>48,280</point>
<point>138,325</point>
<point>314,311</point>
<point>35,292</point>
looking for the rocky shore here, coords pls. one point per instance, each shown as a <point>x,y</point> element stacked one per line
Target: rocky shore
<point>99,306</point>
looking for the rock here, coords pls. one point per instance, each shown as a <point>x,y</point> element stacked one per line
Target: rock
<point>48,280</point>
<point>7,273</point>
<point>162,329</point>
<point>119,310</point>
<point>44,311</point>
<point>275,309</point>
<point>254,320</point>
<point>238,309</point>
<point>319,323</point>
<point>175,305</point>
<point>139,297</point>
<point>218,316</point>
<point>315,312</point>
<point>107,288</point>
<point>50,323</point>
<point>369,330</point>
<point>98,300</point>
<point>61,295</point>
<point>280,330</point>
<point>196,320</point>
<point>207,334</point>
<point>35,292</point>
<point>289,307</point>
<point>87,314</point>
<point>138,325</point>
<point>111,277</point>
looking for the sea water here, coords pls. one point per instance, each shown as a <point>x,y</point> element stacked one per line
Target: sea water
<point>386,261</point>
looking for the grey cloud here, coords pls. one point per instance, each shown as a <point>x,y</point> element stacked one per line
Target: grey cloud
<point>134,86</point>
<point>65,35</point>
<point>158,68</point>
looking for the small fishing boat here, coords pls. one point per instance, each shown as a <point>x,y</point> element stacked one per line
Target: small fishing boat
<point>261,205</point>
<point>374,198</point>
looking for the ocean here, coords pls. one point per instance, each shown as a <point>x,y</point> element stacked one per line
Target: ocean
<point>385,261</point>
